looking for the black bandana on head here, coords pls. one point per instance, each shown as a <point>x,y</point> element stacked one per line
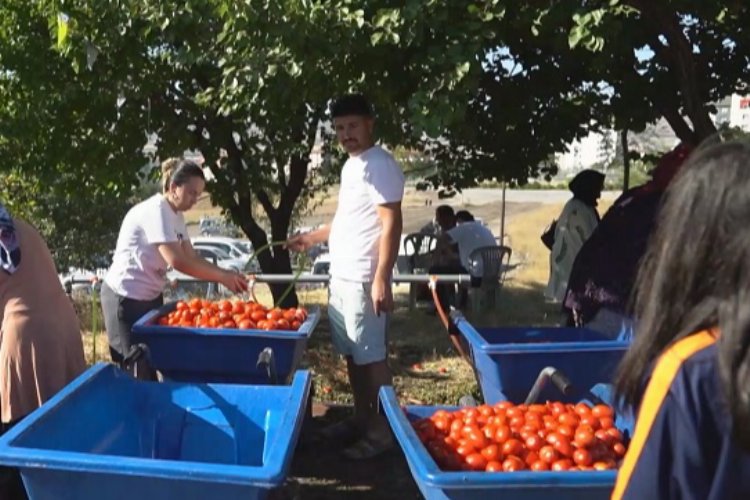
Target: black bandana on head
<point>10,252</point>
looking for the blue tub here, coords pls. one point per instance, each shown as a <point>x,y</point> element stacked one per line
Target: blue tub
<point>109,436</point>
<point>436,484</point>
<point>218,354</point>
<point>507,361</point>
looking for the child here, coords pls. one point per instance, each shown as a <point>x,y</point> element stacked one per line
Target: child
<point>692,344</point>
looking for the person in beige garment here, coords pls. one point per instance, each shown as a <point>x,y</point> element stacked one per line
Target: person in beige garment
<point>40,338</point>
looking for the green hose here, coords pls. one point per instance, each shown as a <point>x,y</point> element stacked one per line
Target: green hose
<point>291,285</point>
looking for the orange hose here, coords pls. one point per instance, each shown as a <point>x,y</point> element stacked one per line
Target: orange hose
<point>455,339</point>
<point>441,312</point>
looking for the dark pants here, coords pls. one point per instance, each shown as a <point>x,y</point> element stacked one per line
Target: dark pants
<point>446,292</point>
<point>120,314</point>
<point>11,485</point>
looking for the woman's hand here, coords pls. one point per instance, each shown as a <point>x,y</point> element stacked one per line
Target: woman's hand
<point>236,282</point>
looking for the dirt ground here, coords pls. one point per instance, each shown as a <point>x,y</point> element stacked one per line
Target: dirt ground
<point>319,472</point>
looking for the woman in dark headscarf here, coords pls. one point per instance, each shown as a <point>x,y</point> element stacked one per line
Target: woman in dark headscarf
<point>40,338</point>
<point>576,223</point>
<point>604,271</point>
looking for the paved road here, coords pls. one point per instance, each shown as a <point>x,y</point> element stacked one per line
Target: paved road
<point>543,196</point>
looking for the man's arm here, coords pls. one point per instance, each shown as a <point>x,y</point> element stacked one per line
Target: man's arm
<point>302,242</point>
<point>390,239</point>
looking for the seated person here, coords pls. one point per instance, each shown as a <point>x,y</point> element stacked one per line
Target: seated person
<point>452,255</point>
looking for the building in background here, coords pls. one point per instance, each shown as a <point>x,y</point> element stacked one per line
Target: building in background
<point>734,111</point>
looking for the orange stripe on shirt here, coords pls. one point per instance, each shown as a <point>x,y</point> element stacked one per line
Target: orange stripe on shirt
<point>664,374</point>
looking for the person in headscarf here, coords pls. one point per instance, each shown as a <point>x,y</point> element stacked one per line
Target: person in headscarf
<point>606,266</point>
<point>40,338</point>
<point>574,226</point>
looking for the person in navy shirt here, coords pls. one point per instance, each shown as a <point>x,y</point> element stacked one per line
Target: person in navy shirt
<point>688,370</point>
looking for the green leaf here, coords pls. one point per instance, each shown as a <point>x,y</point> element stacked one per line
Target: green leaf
<point>62,31</point>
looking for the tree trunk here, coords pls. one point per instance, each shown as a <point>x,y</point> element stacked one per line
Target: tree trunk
<point>625,160</point>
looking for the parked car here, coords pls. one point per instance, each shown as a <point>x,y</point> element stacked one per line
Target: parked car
<point>81,280</point>
<point>236,249</point>
<point>221,258</point>
<point>321,264</point>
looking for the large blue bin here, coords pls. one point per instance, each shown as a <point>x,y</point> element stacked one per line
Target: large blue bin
<point>436,484</point>
<point>219,354</point>
<point>107,436</point>
<point>507,361</point>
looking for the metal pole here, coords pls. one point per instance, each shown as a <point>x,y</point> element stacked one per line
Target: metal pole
<point>625,160</point>
<point>502,217</point>
<point>325,278</point>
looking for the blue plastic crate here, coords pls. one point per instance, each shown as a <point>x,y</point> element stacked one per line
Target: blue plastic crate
<point>107,436</point>
<point>507,361</point>
<point>436,484</point>
<point>192,354</point>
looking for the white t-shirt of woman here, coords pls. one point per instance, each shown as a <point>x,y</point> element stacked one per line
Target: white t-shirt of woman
<point>138,270</point>
<point>370,179</point>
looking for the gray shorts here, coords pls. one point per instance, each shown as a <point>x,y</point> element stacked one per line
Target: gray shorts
<point>355,328</point>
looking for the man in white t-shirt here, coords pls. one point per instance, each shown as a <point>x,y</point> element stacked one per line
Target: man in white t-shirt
<point>363,239</point>
<point>454,247</point>
<point>469,235</point>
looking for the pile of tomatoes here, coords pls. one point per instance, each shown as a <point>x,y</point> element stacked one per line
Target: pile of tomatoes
<point>538,437</point>
<point>233,314</point>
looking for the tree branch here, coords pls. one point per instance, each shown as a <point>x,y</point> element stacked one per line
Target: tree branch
<point>682,62</point>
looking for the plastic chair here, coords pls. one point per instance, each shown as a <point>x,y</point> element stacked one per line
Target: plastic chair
<point>418,248</point>
<point>491,264</point>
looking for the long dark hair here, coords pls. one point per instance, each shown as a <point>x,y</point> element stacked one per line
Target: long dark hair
<point>696,275</point>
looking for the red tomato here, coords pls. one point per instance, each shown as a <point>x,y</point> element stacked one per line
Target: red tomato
<point>584,436</point>
<point>614,433</point>
<point>513,463</point>
<point>560,465</point>
<point>491,452</point>
<point>606,422</point>
<point>582,409</point>
<point>563,447</point>
<point>534,443</point>
<point>600,411</point>
<point>512,447</point>
<point>274,314</point>
<point>476,461</point>
<point>582,457</point>
<point>494,466</point>
<point>548,454</point>
<point>502,434</point>
<point>465,450</point>
<point>477,440</point>
<point>619,449</point>
<point>591,421</point>
<point>539,465</point>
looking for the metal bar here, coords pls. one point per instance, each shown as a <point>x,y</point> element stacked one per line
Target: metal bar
<point>325,278</point>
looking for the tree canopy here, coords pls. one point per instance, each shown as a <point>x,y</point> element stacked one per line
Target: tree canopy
<point>487,89</point>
